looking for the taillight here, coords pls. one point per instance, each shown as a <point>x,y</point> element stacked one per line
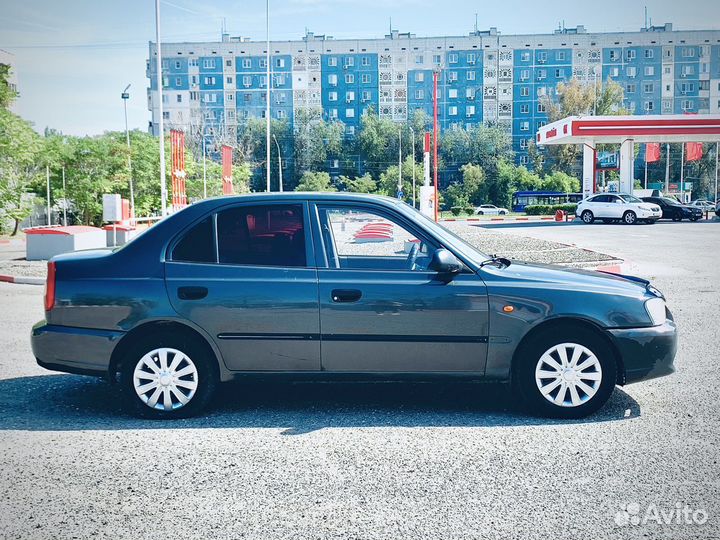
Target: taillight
<point>50,287</point>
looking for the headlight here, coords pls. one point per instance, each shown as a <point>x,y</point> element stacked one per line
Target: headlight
<point>655,308</point>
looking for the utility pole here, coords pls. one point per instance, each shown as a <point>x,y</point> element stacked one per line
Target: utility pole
<point>412,133</point>
<point>436,74</point>
<point>267,93</point>
<point>125,96</point>
<point>47,181</point>
<point>399,186</point>
<point>279,163</point>
<point>161,123</point>
<point>682,166</point>
<point>64,200</point>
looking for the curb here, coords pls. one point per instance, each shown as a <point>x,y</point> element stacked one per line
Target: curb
<point>24,280</point>
<point>497,218</point>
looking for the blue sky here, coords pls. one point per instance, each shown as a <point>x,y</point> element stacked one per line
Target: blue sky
<point>74,57</point>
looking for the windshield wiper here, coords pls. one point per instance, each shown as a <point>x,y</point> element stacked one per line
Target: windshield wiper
<point>501,262</point>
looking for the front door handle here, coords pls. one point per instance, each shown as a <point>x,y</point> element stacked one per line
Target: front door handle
<point>192,293</point>
<point>346,295</point>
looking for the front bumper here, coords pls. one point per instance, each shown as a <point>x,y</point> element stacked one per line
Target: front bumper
<point>83,351</point>
<point>646,353</point>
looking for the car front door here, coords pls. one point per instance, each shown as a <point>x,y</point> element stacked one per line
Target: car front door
<point>615,207</point>
<point>381,309</point>
<point>246,276</point>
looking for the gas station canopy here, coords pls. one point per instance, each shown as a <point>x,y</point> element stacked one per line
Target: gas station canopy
<point>626,131</point>
<point>617,129</point>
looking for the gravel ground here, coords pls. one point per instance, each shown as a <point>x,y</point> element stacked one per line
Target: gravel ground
<point>488,241</point>
<point>372,461</point>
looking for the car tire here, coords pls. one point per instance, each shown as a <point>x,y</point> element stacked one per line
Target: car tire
<point>539,382</point>
<point>587,216</point>
<point>677,218</point>
<point>502,213</point>
<point>480,213</point>
<point>168,376</point>
<point>629,218</point>
<point>694,219</point>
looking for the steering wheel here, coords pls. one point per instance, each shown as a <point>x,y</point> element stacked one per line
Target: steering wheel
<point>412,256</point>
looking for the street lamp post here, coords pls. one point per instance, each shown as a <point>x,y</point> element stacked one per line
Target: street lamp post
<point>279,162</point>
<point>125,96</point>
<point>399,186</point>
<point>161,123</point>
<point>267,93</point>
<point>412,133</point>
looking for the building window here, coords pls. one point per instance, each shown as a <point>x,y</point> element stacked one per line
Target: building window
<point>229,80</point>
<point>178,81</point>
<point>452,76</point>
<point>349,113</point>
<point>281,114</point>
<point>452,93</point>
<point>332,113</point>
<point>524,125</point>
<point>649,106</point>
<point>631,54</point>
<point>542,57</point>
<point>615,72</point>
<point>349,61</point>
<point>649,71</point>
<point>525,56</point>
<point>525,91</point>
<point>524,160</point>
<point>688,70</point>
<point>263,81</point>
<point>280,62</point>
<point>470,93</point>
<point>560,55</point>
<point>365,61</point>
<point>541,107</point>
<point>193,62</point>
<point>210,98</point>
<point>687,104</point>
<point>349,97</point>
<point>332,80</point>
<point>630,88</point>
<point>332,61</point>
<point>366,95</point>
<point>166,115</point>
<point>524,108</point>
<point>246,63</point>
<point>470,75</point>
<point>470,110</point>
<point>688,52</point>
<point>262,63</point>
<point>649,53</point>
<point>471,58</point>
<point>523,143</point>
<point>229,96</point>
<point>332,96</point>
<point>437,59</point>
<point>541,74</point>
<point>524,74</point>
<point>704,85</point>
<point>452,58</point>
<point>247,80</point>
<point>280,98</point>
<point>365,79</point>
<point>452,110</point>
<point>613,54</point>
<point>419,76</point>
<point>648,88</point>
<point>349,78</point>
<point>279,80</point>
<point>247,98</point>
<point>631,71</point>
<point>419,59</point>
<point>559,73</point>
<point>210,81</point>
<point>420,94</point>
<point>194,96</point>
<point>209,63</point>
<point>178,98</point>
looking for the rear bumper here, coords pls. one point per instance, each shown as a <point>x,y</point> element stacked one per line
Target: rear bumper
<point>68,349</point>
<point>646,353</point>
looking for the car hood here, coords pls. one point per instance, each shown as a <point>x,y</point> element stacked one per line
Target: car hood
<point>540,275</point>
<point>648,206</point>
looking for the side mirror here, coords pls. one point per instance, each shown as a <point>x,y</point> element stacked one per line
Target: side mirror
<point>445,263</point>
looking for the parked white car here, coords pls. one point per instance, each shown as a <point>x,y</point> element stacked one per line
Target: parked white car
<point>491,210</point>
<point>617,207</point>
<point>705,206</point>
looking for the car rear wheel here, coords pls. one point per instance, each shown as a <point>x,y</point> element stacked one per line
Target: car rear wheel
<point>630,217</point>
<point>480,213</point>
<point>568,374</point>
<point>166,376</point>
<point>587,216</point>
<point>677,218</point>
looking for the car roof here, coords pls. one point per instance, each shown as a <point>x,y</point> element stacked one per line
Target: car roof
<point>291,196</point>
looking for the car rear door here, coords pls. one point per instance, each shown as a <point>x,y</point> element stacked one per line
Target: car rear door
<point>246,276</point>
<point>379,312</point>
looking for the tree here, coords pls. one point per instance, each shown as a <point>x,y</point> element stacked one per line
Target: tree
<point>388,182</point>
<point>559,181</point>
<point>360,184</point>
<point>7,93</point>
<point>578,99</point>
<point>315,181</point>
<point>315,141</point>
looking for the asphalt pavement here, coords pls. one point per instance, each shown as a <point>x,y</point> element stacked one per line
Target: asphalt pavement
<point>381,461</point>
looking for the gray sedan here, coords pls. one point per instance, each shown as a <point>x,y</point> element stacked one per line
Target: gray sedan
<point>335,286</point>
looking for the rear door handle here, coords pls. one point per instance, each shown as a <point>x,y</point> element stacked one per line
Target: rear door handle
<point>346,295</point>
<point>192,293</point>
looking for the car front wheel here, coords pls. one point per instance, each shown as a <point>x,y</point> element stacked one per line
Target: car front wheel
<point>630,217</point>
<point>587,216</point>
<point>566,377</point>
<point>167,377</point>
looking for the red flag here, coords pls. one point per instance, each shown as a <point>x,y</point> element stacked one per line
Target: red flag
<point>227,170</point>
<point>652,152</point>
<point>177,149</point>
<point>693,151</point>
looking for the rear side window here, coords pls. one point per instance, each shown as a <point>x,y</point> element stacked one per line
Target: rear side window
<point>269,235</point>
<point>197,245</point>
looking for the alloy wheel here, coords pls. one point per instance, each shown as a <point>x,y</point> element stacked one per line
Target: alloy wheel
<point>165,379</point>
<point>568,375</point>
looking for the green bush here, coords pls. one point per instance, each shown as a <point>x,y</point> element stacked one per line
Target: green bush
<point>457,210</point>
<point>549,209</point>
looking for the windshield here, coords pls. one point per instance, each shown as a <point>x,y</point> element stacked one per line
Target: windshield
<point>671,202</point>
<point>632,199</point>
<point>453,240</point>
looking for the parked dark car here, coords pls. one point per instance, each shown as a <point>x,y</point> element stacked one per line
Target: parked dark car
<point>331,285</point>
<point>672,209</point>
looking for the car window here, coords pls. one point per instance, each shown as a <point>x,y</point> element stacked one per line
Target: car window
<point>360,238</point>
<point>197,245</point>
<point>268,235</point>
<point>601,199</point>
